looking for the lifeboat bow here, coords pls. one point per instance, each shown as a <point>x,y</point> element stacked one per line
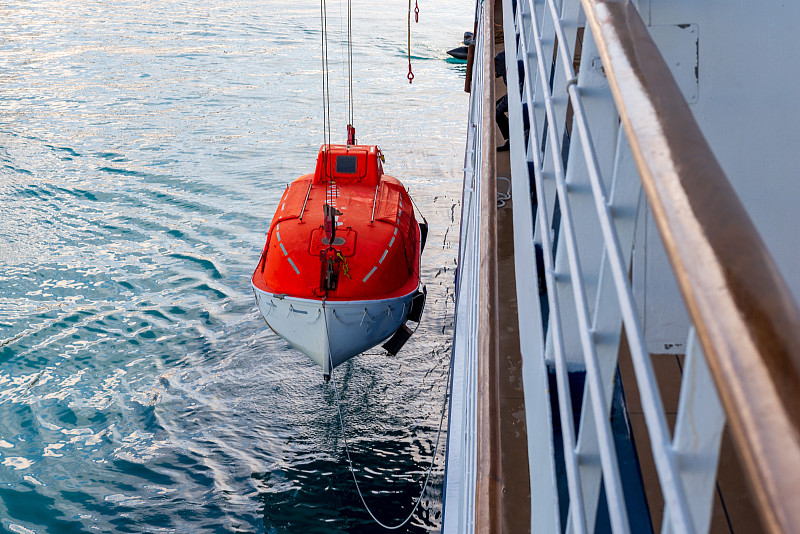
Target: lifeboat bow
<point>340,270</point>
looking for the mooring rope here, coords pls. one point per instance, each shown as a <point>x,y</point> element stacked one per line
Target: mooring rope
<point>347,446</point>
<point>418,210</point>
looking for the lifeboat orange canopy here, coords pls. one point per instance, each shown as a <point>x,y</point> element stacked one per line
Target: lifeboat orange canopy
<point>377,237</point>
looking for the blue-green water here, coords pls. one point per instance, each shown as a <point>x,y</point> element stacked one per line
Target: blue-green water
<point>143,146</point>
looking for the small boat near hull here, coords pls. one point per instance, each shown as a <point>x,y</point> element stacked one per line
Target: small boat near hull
<point>332,331</point>
<point>460,52</point>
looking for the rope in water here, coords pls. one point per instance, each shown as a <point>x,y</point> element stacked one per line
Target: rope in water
<point>347,446</point>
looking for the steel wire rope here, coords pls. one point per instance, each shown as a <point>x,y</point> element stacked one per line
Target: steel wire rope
<point>347,446</point>
<point>418,210</point>
<point>343,32</point>
<point>350,102</point>
<point>326,102</point>
<point>347,53</point>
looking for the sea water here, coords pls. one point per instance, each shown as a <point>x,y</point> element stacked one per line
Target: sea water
<point>144,145</point>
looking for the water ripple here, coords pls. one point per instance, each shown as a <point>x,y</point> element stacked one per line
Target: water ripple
<point>143,146</point>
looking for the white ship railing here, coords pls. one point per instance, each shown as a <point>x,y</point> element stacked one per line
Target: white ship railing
<point>629,129</point>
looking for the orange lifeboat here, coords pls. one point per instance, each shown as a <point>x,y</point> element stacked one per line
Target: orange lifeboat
<point>340,271</point>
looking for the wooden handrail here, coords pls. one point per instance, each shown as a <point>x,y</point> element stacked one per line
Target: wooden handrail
<point>744,313</point>
<point>489,485</point>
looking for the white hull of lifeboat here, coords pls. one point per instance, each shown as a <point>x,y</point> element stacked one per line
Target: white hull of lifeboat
<point>335,331</point>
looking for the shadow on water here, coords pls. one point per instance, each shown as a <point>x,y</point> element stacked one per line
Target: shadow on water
<point>319,495</point>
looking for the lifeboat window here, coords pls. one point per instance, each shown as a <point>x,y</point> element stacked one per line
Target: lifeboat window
<point>346,165</point>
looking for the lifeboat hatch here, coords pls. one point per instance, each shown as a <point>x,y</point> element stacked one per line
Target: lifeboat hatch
<point>348,164</point>
<point>345,241</point>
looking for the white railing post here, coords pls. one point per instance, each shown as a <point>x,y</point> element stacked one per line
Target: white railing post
<point>545,518</point>
<point>698,434</point>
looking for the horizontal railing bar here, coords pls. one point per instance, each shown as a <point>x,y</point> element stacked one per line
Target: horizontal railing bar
<point>746,319</point>
<point>613,484</point>
<point>652,405</point>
